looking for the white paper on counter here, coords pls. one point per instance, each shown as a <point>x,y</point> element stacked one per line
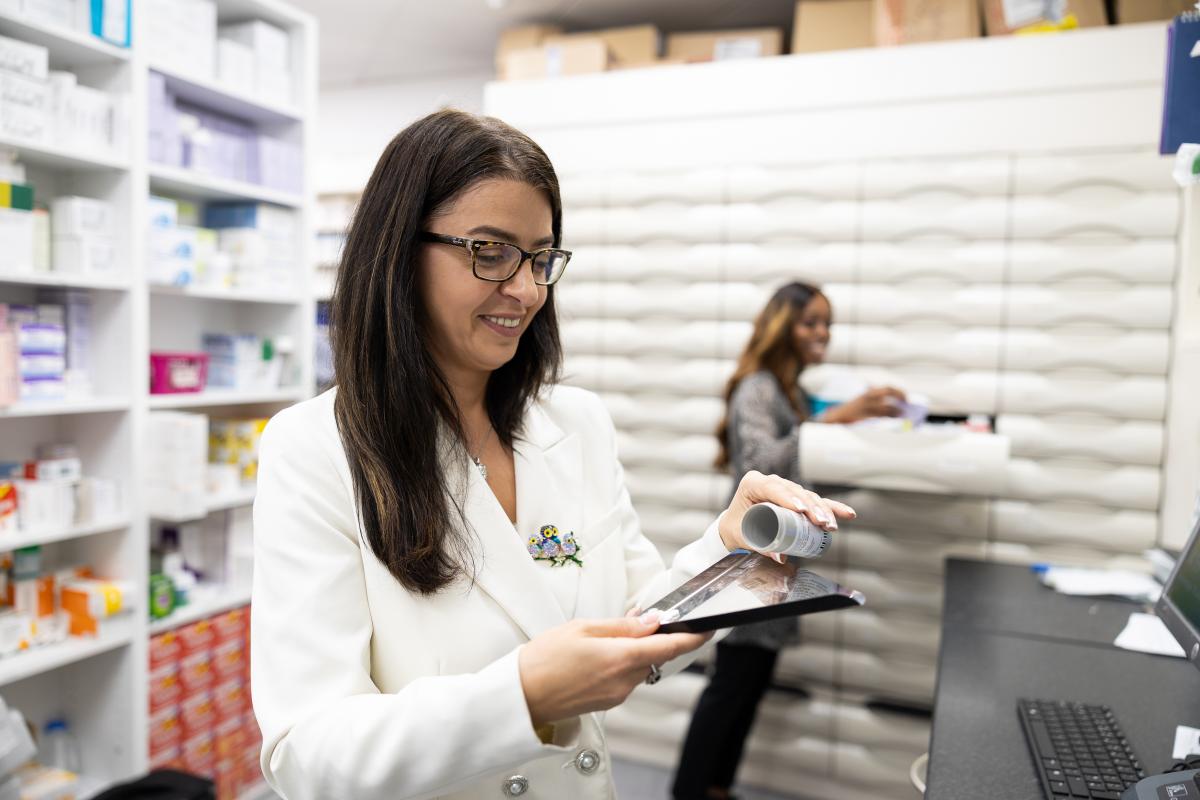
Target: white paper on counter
<point>1187,742</point>
<point>1101,582</point>
<point>1146,633</point>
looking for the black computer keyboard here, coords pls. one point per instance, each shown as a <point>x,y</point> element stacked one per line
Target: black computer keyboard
<point>1078,750</point>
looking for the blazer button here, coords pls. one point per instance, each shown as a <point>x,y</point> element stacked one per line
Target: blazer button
<point>515,785</point>
<point>587,761</point>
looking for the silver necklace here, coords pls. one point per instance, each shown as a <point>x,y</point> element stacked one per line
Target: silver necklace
<point>479,465</point>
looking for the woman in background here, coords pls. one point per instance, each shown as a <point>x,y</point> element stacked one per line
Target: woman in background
<point>764,407</point>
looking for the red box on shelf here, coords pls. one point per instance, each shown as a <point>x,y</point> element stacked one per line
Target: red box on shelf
<point>196,671</point>
<point>227,777</point>
<point>229,696</point>
<point>165,730</point>
<point>165,648</point>
<point>178,373</point>
<point>229,659</point>
<point>165,688</point>
<point>197,637</point>
<point>251,770</point>
<point>232,625</point>
<point>197,713</point>
<point>230,738</point>
<point>168,758</point>
<point>199,755</point>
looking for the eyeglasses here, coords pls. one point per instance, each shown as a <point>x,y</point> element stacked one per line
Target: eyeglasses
<point>499,261</point>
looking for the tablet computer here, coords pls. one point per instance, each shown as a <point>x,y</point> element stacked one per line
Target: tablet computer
<point>747,587</point>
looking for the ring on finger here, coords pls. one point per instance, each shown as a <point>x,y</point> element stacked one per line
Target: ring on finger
<point>655,675</point>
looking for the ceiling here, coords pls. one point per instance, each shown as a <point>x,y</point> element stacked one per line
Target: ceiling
<point>374,41</point>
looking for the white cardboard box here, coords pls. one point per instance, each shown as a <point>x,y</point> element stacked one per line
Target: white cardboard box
<point>271,45</point>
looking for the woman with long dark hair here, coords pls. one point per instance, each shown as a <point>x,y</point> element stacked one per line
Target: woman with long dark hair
<point>445,552</point>
<point>764,405</point>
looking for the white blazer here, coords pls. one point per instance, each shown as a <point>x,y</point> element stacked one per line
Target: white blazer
<point>366,691</point>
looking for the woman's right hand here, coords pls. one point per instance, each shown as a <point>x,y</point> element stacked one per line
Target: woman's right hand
<point>881,401</point>
<point>593,664</point>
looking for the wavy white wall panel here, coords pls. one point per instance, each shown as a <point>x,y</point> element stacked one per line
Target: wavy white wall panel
<point>876,768</point>
<point>953,516</point>
<point>665,222</point>
<point>1119,441</point>
<point>901,552</point>
<point>899,592</point>
<point>810,218</point>
<point>777,260</point>
<point>584,226</point>
<point>949,390</point>
<point>680,414</point>
<point>820,182</point>
<point>672,524</point>
<point>698,376</point>
<point>915,346</point>
<point>698,490</point>
<point>696,452</point>
<point>628,188</point>
<point>664,299</point>
<point>1136,262</point>
<point>891,677</point>
<point>870,726</point>
<point>950,262</point>
<point>1050,553</point>
<point>663,261</point>
<point>1096,482</point>
<point>941,462</point>
<point>1142,170</point>
<point>965,177</point>
<point>1116,396</point>
<point>579,299</point>
<point>583,189</point>
<point>1147,307</point>
<point>878,631</point>
<point>935,214</point>
<point>654,337</point>
<point>1096,211</point>
<point>945,303</point>
<point>1130,353</point>
<point>1085,524</point>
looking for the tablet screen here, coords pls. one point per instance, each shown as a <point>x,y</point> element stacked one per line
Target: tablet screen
<point>747,587</point>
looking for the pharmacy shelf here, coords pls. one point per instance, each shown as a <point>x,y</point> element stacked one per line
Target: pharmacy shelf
<point>206,602</point>
<point>58,408</point>
<point>322,286</point>
<point>222,502</point>
<point>226,100</point>
<point>274,297</point>
<point>38,660</point>
<point>55,157</point>
<point>217,397</point>
<point>28,539</point>
<point>70,280</point>
<point>68,48</point>
<point>260,792</point>
<point>174,181</point>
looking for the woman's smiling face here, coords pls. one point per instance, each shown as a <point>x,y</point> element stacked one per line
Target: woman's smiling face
<point>475,325</point>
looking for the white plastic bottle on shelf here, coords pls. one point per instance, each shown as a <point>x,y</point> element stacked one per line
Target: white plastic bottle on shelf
<point>58,747</point>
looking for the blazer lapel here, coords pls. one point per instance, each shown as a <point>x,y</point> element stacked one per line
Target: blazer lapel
<point>548,473</point>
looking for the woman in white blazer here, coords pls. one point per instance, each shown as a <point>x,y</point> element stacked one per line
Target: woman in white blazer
<point>445,552</point>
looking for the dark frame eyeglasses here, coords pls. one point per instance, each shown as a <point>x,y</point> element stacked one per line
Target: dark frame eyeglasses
<point>499,261</point>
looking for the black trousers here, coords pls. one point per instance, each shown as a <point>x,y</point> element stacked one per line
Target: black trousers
<point>722,719</point>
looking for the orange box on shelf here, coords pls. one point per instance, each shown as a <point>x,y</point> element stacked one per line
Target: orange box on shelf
<point>1001,19</point>
<point>822,25</point>
<point>253,734</point>
<point>196,671</point>
<point>230,737</point>
<point>231,625</point>
<point>728,44</point>
<point>197,712</point>
<point>165,688</point>
<point>91,602</point>
<point>165,729</point>
<point>250,774</point>
<point>199,753</point>
<point>915,21</point>
<point>165,648</point>
<point>197,637</point>
<point>231,698</point>
<point>167,758</point>
<point>226,777</point>
<point>229,659</point>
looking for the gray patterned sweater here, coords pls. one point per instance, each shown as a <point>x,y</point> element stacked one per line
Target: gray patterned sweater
<point>762,436</point>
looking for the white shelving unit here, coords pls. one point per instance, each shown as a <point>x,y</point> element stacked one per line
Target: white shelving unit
<point>101,683</point>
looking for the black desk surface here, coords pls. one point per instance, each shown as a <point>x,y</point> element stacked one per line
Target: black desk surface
<point>997,648</point>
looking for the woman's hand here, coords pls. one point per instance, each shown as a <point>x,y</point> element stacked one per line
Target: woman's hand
<point>758,488</point>
<point>881,401</point>
<point>593,665</point>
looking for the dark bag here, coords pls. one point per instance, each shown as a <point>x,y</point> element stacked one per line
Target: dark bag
<point>163,784</point>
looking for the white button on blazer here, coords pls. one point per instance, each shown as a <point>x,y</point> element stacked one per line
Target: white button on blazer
<point>365,691</point>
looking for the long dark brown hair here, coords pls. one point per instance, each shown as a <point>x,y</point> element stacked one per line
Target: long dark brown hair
<point>393,405</point>
<point>771,347</point>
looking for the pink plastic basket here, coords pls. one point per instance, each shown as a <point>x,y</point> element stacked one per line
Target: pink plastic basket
<point>176,373</point>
